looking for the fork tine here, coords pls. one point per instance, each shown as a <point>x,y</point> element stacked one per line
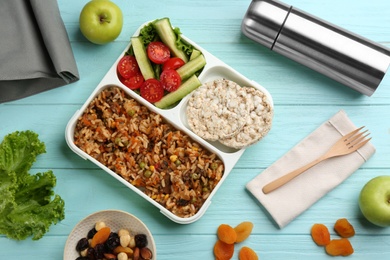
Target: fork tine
<point>356,138</point>
<point>359,138</point>
<point>359,145</point>
<point>352,133</point>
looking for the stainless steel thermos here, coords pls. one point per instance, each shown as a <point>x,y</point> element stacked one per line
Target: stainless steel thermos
<point>339,54</point>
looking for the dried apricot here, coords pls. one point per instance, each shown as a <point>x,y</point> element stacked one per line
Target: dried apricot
<point>343,228</point>
<point>243,230</point>
<point>101,236</point>
<point>127,250</point>
<point>338,247</point>
<point>223,251</point>
<point>226,234</point>
<point>320,234</point>
<point>247,253</point>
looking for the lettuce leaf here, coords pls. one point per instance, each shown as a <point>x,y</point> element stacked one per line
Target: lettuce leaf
<point>148,34</point>
<point>182,44</point>
<point>27,206</point>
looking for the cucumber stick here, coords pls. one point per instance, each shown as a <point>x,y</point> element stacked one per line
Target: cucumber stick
<point>168,37</point>
<point>186,87</point>
<point>195,53</point>
<point>142,58</point>
<point>191,67</point>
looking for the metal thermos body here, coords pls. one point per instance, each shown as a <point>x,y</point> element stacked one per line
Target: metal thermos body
<point>337,53</point>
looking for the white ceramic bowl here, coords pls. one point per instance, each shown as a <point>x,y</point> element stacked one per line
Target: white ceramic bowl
<point>116,220</point>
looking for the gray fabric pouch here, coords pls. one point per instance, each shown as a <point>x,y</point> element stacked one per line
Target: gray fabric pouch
<point>35,53</point>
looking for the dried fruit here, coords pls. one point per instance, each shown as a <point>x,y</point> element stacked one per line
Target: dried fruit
<point>99,251</point>
<point>82,244</point>
<point>141,240</point>
<point>226,234</point>
<point>104,244</point>
<point>343,228</point>
<point>338,247</point>
<point>91,233</point>
<point>243,230</point>
<point>90,253</point>
<point>223,251</point>
<point>320,234</point>
<point>112,241</point>
<point>247,253</point>
<point>127,250</point>
<point>101,236</point>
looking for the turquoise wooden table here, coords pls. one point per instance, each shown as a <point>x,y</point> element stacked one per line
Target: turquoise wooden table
<point>303,100</point>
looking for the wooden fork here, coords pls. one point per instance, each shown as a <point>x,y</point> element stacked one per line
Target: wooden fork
<point>345,145</point>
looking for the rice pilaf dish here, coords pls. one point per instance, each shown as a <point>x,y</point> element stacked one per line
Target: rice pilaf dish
<point>140,146</point>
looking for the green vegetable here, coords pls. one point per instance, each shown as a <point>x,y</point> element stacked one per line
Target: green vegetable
<point>142,58</point>
<point>148,34</point>
<point>195,54</point>
<point>171,38</point>
<point>189,69</point>
<point>182,44</point>
<point>161,29</point>
<point>26,207</point>
<point>186,87</point>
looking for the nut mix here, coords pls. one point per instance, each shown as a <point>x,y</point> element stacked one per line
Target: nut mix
<point>102,243</point>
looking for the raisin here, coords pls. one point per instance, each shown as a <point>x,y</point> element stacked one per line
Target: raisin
<point>91,233</point>
<point>243,230</point>
<point>338,247</point>
<point>320,234</point>
<point>247,253</point>
<point>99,251</point>
<point>343,228</point>
<point>112,242</point>
<point>101,236</point>
<point>91,253</point>
<point>82,244</point>
<point>226,234</point>
<point>223,251</point>
<point>141,240</point>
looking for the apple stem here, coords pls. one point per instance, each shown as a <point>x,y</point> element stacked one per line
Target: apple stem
<point>102,18</point>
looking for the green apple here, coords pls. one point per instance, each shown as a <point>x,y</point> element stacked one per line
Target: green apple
<point>374,201</point>
<point>101,21</point>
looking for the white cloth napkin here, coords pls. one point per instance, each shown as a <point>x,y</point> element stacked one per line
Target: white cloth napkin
<point>289,201</point>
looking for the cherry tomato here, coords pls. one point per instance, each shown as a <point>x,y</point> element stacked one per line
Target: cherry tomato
<point>152,90</point>
<point>127,66</point>
<point>170,80</point>
<point>158,52</point>
<point>173,63</point>
<point>133,82</point>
